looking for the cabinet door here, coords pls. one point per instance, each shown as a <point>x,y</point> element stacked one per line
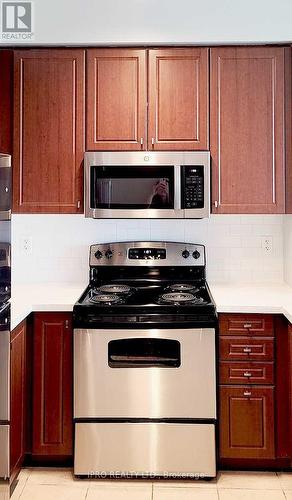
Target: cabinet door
<point>178,99</point>
<point>116,99</point>
<point>17,397</point>
<point>48,131</point>
<point>246,422</point>
<point>6,93</point>
<point>247,129</point>
<point>52,427</point>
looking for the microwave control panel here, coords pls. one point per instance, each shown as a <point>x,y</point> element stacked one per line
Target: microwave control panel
<point>192,195</point>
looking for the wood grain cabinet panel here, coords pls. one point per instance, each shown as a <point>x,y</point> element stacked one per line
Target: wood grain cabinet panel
<point>17,397</point>
<point>116,99</point>
<point>245,324</point>
<point>246,373</point>
<point>246,348</point>
<point>178,99</point>
<point>48,130</point>
<point>248,416</point>
<point>248,129</point>
<point>6,100</point>
<point>52,385</point>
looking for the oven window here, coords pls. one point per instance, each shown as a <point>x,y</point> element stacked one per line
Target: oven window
<point>144,352</point>
<point>132,187</point>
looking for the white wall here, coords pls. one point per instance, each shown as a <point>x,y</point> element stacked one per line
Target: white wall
<point>287,234</point>
<point>92,22</point>
<point>59,245</point>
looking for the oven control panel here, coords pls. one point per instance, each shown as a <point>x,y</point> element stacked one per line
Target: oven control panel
<point>192,186</point>
<point>147,253</point>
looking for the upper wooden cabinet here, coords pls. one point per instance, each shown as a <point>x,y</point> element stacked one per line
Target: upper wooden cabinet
<point>117,99</point>
<point>178,99</point>
<point>248,129</point>
<point>6,94</point>
<point>48,130</point>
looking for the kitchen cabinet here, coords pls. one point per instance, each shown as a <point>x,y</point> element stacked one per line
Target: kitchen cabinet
<point>247,387</point>
<point>116,99</point>
<point>6,96</point>
<point>18,397</point>
<point>178,99</point>
<point>247,131</point>
<point>247,422</point>
<point>52,425</point>
<point>290,388</point>
<point>117,92</point>
<point>48,130</point>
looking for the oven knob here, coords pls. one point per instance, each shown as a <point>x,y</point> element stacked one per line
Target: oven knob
<point>98,254</point>
<point>196,254</point>
<point>185,254</point>
<point>108,254</point>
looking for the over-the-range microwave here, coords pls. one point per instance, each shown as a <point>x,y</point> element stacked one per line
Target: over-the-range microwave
<point>142,185</point>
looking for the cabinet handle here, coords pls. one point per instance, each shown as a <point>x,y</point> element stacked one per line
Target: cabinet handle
<point>247,374</point>
<point>152,141</point>
<point>141,141</point>
<point>216,204</point>
<point>67,324</point>
<point>78,204</point>
<point>247,325</point>
<point>247,393</point>
<point>247,349</point>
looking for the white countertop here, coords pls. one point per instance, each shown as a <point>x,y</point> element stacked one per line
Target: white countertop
<point>245,298</point>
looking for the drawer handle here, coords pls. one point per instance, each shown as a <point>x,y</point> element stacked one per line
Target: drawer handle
<point>247,349</point>
<point>247,325</point>
<point>247,374</point>
<point>247,393</point>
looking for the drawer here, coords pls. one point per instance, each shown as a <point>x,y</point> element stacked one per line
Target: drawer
<point>246,324</point>
<point>246,373</point>
<point>246,348</point>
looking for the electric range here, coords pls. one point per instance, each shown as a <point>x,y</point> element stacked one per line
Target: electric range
<point>144,363</point>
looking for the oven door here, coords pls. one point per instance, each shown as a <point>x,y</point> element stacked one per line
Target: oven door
<point>155,373</point>
<point>134,191</point>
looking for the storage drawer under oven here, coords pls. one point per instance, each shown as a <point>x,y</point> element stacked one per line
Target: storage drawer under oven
<point>147,373</point>
<point>235,372</point>
<point>161,449</point>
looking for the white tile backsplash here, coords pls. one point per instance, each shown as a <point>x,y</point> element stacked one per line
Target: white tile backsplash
<point>60,243</point>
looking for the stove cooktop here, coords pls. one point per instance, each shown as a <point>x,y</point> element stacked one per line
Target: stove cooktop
<point>142,283</point>
<point>144,302</point>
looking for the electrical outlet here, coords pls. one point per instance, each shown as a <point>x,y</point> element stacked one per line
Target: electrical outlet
<point>26,245</point>
<point>267,245</point>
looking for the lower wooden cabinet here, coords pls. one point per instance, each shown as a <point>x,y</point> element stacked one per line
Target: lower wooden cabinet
<point>248,417</point>
<point>18,378</point>
<point>52,427</point>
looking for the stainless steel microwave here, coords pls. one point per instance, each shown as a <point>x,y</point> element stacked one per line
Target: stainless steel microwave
<point>142,185</point>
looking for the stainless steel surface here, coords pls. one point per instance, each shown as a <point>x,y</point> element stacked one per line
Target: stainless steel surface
<point>5,250</point>
<point>4,452</point>
<point>162,449</point>
<point>142,158</point>
<point>4,376</point>
<point>188,391</point>
<point>5,212</point>
<point>5,160</point>
<point>173,254</point>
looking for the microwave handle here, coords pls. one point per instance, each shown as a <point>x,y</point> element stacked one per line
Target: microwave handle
<point>177,187</point>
